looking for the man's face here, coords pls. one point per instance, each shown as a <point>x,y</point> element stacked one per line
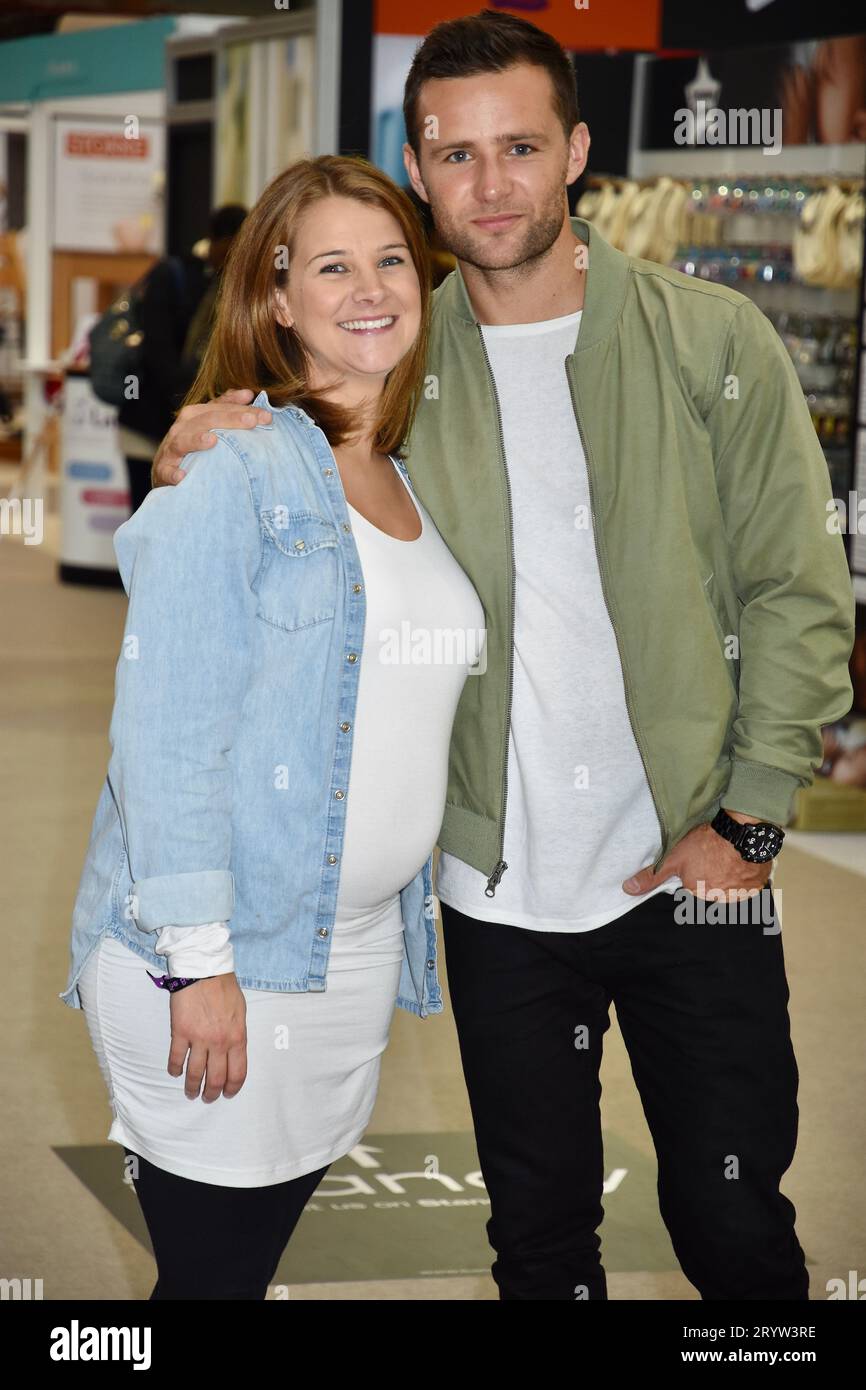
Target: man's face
<point>494,164</point>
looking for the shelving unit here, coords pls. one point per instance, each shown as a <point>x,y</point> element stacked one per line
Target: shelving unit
<point>823,328</point>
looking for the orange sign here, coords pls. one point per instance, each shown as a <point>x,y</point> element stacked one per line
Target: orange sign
<point>104,144</point>
<point>577,24</point>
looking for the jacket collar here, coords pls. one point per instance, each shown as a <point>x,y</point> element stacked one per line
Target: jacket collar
<point>607,276</point>
<point>262,400</point>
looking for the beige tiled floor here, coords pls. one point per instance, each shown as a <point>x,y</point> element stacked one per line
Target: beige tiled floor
<point>58,648</point>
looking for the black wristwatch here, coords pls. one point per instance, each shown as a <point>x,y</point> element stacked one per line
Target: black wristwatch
<point>755,843</point>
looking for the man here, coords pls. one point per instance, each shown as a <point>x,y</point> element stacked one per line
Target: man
<point>623,462</point>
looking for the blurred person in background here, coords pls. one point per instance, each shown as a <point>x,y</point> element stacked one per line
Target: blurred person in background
<point>226,222</point>
<point>175,290</point>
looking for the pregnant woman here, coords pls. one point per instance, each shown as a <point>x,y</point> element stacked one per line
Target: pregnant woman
<point>257,892</point>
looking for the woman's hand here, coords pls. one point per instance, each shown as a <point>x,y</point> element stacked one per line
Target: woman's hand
<point>191,432</point>
<point>209,1021</point>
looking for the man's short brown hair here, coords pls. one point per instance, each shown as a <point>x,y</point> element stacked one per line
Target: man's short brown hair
<point>489,42</point>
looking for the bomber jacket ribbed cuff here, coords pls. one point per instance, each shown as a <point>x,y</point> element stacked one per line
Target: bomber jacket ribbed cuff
<point>183,900</point>
<point>758,790</point>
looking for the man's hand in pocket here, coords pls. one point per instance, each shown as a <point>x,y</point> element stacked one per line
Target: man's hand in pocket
<point>708,866</point>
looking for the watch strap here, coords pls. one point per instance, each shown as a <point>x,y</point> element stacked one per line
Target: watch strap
<point>738,834</point>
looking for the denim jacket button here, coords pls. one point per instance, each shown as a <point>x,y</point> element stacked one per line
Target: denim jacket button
<point>299,545</point>
<point>339,795</point>
<point>431,964</point>
<point>346,526</point>
<point>323,931</point>
<point>356,588</point>
<point>332,858</point>
<point>345,726</point>
<point>328,472</point>
<point>351,657</point>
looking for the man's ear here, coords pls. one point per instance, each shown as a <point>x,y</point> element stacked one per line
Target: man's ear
<point>281,309</point>
<point>578,152</point>
<point>410,163</point>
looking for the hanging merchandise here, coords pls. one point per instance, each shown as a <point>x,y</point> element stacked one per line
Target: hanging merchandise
<point>623,212</point>
<point>643,217</point>
<point>851,225</point>
<point>598,204</point>
<point>660,221</point>
<point>683,223</point>
<point>829,222</point>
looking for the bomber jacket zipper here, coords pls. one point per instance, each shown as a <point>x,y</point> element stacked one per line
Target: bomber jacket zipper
<point>500,866</point>
<point>604,590</point>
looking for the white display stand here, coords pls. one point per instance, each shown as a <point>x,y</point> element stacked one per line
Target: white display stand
<point>94,488</point>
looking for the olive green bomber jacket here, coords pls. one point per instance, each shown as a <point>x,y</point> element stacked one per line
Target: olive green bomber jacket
<point>728,591</point>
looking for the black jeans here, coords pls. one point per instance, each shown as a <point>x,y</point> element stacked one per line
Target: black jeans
<point>703,1013</point>
<point>217,1242</point>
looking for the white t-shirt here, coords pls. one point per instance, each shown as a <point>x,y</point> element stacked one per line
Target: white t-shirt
<point>580,817</point>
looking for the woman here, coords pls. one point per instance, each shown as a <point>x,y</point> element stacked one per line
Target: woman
<point>277,779</point>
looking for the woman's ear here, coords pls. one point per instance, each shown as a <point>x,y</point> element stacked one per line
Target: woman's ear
<point>281,309</point>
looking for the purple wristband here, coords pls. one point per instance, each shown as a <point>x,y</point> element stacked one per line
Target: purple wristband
<point>173,982</point>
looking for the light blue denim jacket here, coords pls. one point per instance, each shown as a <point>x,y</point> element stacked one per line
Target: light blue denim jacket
<point>233,720</point>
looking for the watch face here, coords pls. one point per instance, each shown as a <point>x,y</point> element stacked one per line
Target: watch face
<point>760,843</point>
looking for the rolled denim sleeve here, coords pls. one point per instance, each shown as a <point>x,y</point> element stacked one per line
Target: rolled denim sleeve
<point>188,559</point>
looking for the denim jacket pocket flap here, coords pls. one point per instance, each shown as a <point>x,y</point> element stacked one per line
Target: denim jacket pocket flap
<point>298,533</point>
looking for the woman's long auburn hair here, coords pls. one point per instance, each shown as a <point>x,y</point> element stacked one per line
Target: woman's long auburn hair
<point>248,347</point>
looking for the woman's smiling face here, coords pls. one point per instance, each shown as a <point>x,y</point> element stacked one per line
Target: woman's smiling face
<point>352,295</point>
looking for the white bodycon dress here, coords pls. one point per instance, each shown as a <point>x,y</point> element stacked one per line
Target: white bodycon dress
<point>314,1058</point>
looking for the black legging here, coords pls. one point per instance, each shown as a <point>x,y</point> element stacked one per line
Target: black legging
<point>217,1242</point>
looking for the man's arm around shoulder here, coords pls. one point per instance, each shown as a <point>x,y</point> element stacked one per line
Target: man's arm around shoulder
<point>191,431</point>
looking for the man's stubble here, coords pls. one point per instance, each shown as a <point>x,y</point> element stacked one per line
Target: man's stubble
<point>537,240</point>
